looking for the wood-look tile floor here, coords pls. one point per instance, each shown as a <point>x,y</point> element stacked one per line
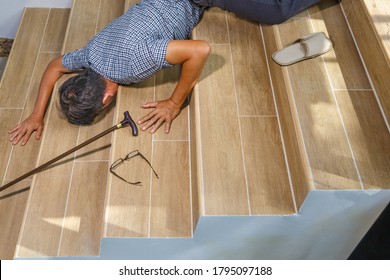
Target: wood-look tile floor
<point>66,205</point>
<point>40,35</point>
<point>369,21</point>
<point>226,154</point>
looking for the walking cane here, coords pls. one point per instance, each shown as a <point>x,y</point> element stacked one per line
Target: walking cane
<point>126,121</point>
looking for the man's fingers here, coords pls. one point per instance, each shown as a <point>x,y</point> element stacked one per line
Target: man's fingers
<point>14,129</point>
<point>26,138</point>
<point>167,127</point>
<point>39,133</point>
<point>18,137</point>
<point>147,117</point>
<point>151,122</point>
<point>149,105</point>
<point>157,125</point>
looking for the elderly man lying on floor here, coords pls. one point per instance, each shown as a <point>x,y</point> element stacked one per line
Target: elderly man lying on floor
<point>150,36</point>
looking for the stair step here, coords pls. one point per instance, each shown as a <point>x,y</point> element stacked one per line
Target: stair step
<point>161,207</point>
<point>243,166</point>
<point>254,140</point>
<point>65,208</point>
<point>38,40</point>
<point>369,22</point>
<point>345,144</point>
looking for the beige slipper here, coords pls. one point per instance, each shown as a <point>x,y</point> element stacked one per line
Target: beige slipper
<point>309,46</point>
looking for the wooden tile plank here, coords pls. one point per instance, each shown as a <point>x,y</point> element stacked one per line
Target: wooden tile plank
<point>20,163</point>
<point>373,55</point>
<point>41,231</point>
<point>100,149</point>
<point>12,205</point>
<point>82,24</point>
<point>344,65</point>
<point>268,183</point>
<point>212,28</point>
<point>46,207</point>
<point>127,210</point>
<point>8,117</point>
<point>130,3</point>
<point>82,228</point>
<point>369,137</point>
<point>329,154</point>
<point>195,158</point>
<point>347,4</point>
<point>17,77</point>
<point>379,10</point>
<point>109,10</point>
<point>53,38</point>
<point>170,201</point>
<point>166,82</point>
<point>223,172</point>
<point>24,158</point>
<point>250,68</point>
<point>288,118</point>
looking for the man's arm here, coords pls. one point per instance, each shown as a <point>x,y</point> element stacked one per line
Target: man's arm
<point>192,55</point>
<point>34,122</point>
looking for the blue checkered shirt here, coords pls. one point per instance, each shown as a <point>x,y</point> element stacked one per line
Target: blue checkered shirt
<point>133,47</point>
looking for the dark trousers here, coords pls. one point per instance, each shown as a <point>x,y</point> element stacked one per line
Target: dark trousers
<point>262,11</point>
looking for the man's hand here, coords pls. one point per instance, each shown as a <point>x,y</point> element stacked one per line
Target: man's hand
<point>34,122</point>
<point>164,111</point>
<point>24,130</point>
<point>192,55</point>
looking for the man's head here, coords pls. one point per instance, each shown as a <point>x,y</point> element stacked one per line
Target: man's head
<point>81,97</point>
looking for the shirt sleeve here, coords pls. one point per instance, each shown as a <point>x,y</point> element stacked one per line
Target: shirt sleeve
<point>75,60</point>
<point>158,50</point>
<point>149,58</point>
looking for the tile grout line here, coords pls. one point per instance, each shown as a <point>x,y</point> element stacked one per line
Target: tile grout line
<point>49,52</point>
<point>339,113</point>
<point>198,146</point>
<point>170,140</point>
<point>109,177</point>
<point>103,223</point>
<point>11,108</point>
<point>258,116</point>
<point>190,166</point>
<point>68,195</point>
<point>353,89</point>
<point>279,126</point>
<point>92,160</point>
<point>238,118</point>
<point>97,16</point>
<point>151,174</point>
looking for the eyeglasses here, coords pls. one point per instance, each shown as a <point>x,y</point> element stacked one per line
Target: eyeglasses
<point>121,161</point>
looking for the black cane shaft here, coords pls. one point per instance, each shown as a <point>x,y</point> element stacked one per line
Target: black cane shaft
<point>43,166</point>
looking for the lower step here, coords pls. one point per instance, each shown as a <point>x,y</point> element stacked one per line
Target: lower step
<point>369,22</point>
<point>38,40</point>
